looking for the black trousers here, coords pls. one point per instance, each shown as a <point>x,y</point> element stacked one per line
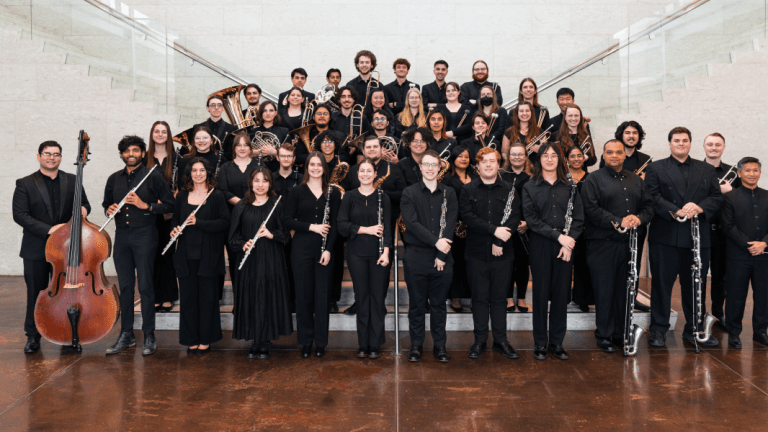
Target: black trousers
<point>337,267</point>
<point>609,263</point>
<point>199,317</point>
<point>134,255</point>
<point>312,281</point>
<point>520,270</point>
<point>289,268</point>
<point>370,283</point>
<point>551,282</point>
<point>490,285</point>
<point>460,287</point>
<point>164,274</point>
<point>37,276</point>
<point>717,265</point>
<point>740,274</point>
<point>583,292</point>
<point>425,282</point>
<point>667,263</point>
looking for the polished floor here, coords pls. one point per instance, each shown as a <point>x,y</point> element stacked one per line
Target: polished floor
<point>659,389</point>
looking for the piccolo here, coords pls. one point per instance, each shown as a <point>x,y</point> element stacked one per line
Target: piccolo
<point>184,225</point>
<point>256,237</point>
<point>122,203</point>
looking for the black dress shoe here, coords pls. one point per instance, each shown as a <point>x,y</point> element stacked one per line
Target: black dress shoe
<point>363,352</point>
<point>641,307</point>
<point>540,352</point>
<point>522,308</point>
<point>374,353</point>
<point>319,351</point>
<point>584,308</point>
<point>760,338</point>
<point>606,346</point>
<point>720,322</point>
<point>167,308</point>
<point>414,354</point>
<point>511,308</point>
<point>558,351</point>
<point>124,341</point>
<point>477,349</point>
<point>253,352</point>
<point>265,351</point>
<point>441,354</point>
<point>457,309</point>
<point>506,350</point>
<point>201,351</point>
<point>618,342</point>
<point>333,307</point>
<point>657,339</point>
<point>150,344</point>
<point>734,341</point>
<point>158,308</point>
<point>352,310</point>
<point>711,342</point>
<point>306,351</point>
<point>32,346</point>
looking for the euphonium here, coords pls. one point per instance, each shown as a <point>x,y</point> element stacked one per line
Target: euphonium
<point>231,98</point>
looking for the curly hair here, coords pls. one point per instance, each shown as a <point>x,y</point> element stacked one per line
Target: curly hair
<point>131,140</point>
<point>365,53</point>
<point>186,180</point>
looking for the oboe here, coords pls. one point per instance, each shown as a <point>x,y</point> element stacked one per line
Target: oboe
<point>569,210</point>
<point>326,216</point>
<point>175,170</point>
<point>381,239</point>
<point>256,237</point>
<point>443,211</point>
<point>122,203</point>
<point>184,225</point>
<point>508,206</point>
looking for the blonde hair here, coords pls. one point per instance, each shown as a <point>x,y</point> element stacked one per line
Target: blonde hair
<point>405,117</point>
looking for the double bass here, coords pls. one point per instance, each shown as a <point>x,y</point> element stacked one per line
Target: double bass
<point>79,306</point>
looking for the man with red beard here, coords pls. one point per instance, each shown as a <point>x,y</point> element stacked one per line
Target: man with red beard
<point>470,91</point>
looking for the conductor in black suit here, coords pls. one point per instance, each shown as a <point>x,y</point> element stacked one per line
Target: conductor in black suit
<point>684,187</point>
<point>42,203</point>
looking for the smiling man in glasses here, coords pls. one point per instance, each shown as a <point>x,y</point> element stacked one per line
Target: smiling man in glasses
<point>220,128</point>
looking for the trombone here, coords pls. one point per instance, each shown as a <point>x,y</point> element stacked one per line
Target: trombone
<point>370,86</point>
<point>356,115</point>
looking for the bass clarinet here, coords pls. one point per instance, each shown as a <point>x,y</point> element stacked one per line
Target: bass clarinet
<point>632,332</point>
<point>184,225</point>
<point>256,237</point>
<point>122,203</point>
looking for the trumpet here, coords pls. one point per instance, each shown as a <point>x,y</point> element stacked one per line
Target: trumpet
<point>586,146</point>
<point>542,136</point>
<point>263,139</point>
<point>728,180</point>
<point>644,166</point>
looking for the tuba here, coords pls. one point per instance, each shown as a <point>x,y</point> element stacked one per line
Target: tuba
<point>231,98</point>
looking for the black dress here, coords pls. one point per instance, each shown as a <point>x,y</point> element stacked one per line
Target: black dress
<point>164,275</point>
<point>583,292</point>
<point>261,310</point>
<point>521,264</point>
<point>464,131</point>
<point>460,283</point>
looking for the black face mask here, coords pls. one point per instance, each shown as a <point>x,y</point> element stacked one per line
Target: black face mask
<point>486,101</point>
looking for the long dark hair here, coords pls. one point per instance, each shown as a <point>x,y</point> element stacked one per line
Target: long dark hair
<point>236,140</point>
<point>455,153</point>
<point>250,196</point>
<point>260,118</point>
<point>619,135</point>
<point>537,170</point>
<point>326,174</point>
<point>581,132</point>
<point>193,149</point>
<point>513,132</point>
<point>169,151</point>
<point>445,122</point>
<point>186,180</point>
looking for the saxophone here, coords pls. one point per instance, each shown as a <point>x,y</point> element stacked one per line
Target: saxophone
<point>380,181</point>
<point>338,174</point>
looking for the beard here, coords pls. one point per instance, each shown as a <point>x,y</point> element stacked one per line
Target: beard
<point>480,76</point>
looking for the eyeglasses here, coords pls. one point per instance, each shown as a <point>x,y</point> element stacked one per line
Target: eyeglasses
<point>548,156</point>
<point>479,69</point>
<point>429,165</point>
<point>322,114</point>
<point>53,155</point>
<point>417,141</point>
<point>290,156</point>
<point>215,105</point>
<point>516,155</point>
<point>379,120</point>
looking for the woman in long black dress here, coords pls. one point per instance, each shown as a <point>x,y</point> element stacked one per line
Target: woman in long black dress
<point>459,174</point>
<point>199,256</point>
<point>304,213</point>
<point>262,309</point>
<point>583,292</point>
<point>519,173</point>
<point>161,153</point>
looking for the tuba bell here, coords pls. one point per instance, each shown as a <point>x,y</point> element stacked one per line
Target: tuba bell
<point>231,98</point>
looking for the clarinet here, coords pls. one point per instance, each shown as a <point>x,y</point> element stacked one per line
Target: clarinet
<point>175,170</point>
<point>184,225</point>
<point>381,239</point>
<point>256,237</point>
<point>569,210</point>
<point>122,203</point>
<point>508,206</point>
<point>218,164</point>
<point>326,216</point>
<point>443,211</point>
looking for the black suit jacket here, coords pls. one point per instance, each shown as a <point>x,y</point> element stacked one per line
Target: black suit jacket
<point>32,210</point>
<point>670,194</point>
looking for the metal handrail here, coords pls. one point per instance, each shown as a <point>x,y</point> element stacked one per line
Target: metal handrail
<point>613,49</point>
<point>167,41</point>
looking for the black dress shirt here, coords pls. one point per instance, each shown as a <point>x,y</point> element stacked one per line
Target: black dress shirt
<point>289,122</point>
<point>281,97</point>
<point>393,185</point>
<point>631,163</point>
<point>361,86</point>
<point>54,193</point>
<point>283,185</point>
<point>154,189</point>
<point>684,168</point>
<point>433,93</point>
<point>411,170</point>
<point>482,209</point>
<point>358,210</point>
<point>340,123</point>
<point>715,221</point>
<point>470,91</point>
<point>443,143</point>
<point>744,217</point>
<point>396,94</point>
<point>545,206</point>
<point>422,210</point>
<point>608,197</point>
<point>474,146</point>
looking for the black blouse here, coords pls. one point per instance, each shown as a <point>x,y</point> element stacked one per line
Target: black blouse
<point>247,220</point>
<point>233,183</point>
<point>206,237</point>
<point>454,118</point>
<point>473,146</point>
<point>212,158</point>
<point>289,122</point>
<point>303,209</point>
<point>358,210</point>
<point>392,186</point>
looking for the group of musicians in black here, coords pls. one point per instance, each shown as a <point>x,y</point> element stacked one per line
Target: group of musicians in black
<point>473,219</point>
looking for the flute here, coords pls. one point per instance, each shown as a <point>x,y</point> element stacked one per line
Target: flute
<point>184,225</point>
<point>122,203</point>
<point>256,237</point>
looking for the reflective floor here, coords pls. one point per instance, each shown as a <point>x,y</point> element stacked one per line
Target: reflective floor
<point>659,389</point>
